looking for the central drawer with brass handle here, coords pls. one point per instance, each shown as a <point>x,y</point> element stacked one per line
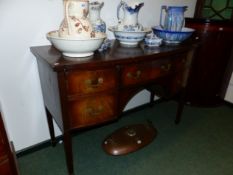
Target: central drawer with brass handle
<point>91,81</point>
<point>141,73</point>
<point>167,66</point>
<point>134,74</point>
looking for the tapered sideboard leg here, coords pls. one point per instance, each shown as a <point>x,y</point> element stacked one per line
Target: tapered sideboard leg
<point>51,127</point>
<point>68,152</point>
<point>181,104</point>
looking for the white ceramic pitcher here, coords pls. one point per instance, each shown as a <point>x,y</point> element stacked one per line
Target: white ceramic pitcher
<point>129,22</point>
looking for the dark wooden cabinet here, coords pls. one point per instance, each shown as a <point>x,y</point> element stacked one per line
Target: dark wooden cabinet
<point>210,64</point>
<point>8,165</point>
<point>80,94</point>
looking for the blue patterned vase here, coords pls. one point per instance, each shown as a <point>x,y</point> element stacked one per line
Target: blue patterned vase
<point>94,14</point>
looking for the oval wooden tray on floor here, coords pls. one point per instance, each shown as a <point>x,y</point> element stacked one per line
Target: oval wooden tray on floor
<point>129,139</point>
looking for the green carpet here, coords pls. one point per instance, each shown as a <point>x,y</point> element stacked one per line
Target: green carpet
<point>202,144</point>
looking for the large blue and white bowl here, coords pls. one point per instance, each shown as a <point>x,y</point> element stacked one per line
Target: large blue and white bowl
<point>173,37</point>
<point>129,38</point>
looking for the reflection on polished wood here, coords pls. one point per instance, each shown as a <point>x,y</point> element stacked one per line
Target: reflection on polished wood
<point>80,94</point>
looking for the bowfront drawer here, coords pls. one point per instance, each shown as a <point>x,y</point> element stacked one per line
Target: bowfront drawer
<point>84,82</point>
<point>92,110</point>
<point>141,73</point>
<point>135,74</point>
<point>161,68</point>
<point>167,66</point>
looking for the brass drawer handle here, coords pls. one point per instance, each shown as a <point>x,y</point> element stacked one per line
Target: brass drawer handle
<point>166,67</point>
<point>135,75</point>
<point>94,82</point>
<point>93,111</point>
<point>220,28</point>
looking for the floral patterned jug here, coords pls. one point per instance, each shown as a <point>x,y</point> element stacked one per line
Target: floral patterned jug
<point>76,23</point>
<point>129,22</point>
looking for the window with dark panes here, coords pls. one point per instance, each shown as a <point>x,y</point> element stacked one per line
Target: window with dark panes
<point>215,9</point>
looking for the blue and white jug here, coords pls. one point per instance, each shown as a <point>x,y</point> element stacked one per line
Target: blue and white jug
<point>129,22</point>
<point>94,14</point>
<point>174,18</point>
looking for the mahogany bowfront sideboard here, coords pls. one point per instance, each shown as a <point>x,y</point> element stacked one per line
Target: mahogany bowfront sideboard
<point>84,93</point>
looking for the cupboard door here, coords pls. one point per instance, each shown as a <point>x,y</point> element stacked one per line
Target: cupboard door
<point>210,63</point>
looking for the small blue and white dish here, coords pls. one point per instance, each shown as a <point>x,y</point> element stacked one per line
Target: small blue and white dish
<point>173,37</point>
<point>151,40</point>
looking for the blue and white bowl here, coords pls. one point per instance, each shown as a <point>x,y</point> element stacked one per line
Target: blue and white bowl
<point>173,37</point>
<point>129,38</point>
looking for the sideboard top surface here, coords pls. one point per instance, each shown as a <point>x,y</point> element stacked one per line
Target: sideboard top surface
<point>115,55</point>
